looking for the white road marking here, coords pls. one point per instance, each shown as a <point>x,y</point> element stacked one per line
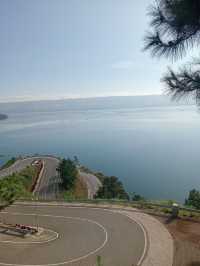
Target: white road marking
<point>109,210</point>
<point>62,217</point>
<point>145,237</point>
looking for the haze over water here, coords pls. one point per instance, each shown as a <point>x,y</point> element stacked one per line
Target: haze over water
<point>151,144</point>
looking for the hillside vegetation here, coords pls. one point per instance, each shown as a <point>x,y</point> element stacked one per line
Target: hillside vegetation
<point>18,185</point>
<point>111,188</point>
<point>193,199</point>
<point>72,187</point>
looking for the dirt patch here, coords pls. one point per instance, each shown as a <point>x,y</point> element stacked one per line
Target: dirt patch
<point>35,177</point>
<point>185,230</point>
<point>80,190</point>
<point>186,236</point>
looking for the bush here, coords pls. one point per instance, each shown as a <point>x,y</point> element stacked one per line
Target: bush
<point>17,185</point>
<point>68,173</point>
<point>11,188</point>
<point>166,210</point>
<point>193,199</point>
<point>112,188</point>
<point>137,197</point>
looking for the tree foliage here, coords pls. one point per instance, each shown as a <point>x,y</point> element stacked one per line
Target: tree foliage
<point>112,188</point>
<point>176,28</point>
<point>137,197</point>
<point>68,173</point>
<point>10,189</point>
<point>193,199</point>
<point>16,185</point>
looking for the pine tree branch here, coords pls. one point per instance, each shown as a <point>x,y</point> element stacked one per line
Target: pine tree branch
<point>184,83</point>
<point>176,26</point>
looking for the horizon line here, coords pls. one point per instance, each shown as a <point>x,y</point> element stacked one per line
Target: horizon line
<point>75,98</point>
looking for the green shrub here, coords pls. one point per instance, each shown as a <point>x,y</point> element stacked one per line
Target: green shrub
<point>137,197</point>
<point>17,185</point>
<point>193,199</point>
<point>166,210</point>
<point>68,173</point>
<point>99,263</point>
<point>112,188</point>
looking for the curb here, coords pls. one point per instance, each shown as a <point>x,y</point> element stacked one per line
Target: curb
<point>159,248</point>
<point>39,179</point>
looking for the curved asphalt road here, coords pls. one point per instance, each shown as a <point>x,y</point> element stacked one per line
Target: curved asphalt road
<point>48,187</point>
<point>84,233</point>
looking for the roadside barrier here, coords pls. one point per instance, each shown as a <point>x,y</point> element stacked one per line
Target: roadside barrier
<point>148,205</point>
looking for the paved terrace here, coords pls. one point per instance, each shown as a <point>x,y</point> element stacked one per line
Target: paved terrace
<point>121,236</point>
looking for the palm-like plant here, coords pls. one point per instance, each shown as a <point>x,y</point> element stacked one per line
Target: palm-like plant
<point>176,28</point>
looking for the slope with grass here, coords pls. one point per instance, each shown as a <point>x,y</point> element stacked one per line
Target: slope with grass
<point>18,185</point>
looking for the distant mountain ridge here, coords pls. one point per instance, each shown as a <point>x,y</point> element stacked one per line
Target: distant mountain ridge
<point>3,117</point>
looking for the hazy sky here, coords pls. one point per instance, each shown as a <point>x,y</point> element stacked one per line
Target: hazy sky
<point>75,48</point>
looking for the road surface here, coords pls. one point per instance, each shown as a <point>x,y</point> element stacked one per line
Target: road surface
<point>48,187</point>
<point>92,182</point>
<point>84,234</point>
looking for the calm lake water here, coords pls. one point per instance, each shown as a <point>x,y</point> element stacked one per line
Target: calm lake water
<point>154,150</point>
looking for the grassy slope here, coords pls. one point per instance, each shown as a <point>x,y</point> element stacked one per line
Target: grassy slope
<point>18,185</point>
<point>30,174</point>
<point>79,191</point>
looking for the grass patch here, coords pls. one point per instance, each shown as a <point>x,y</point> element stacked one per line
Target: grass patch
<point>188,214</point>
<point>79,192</point>
<point>29,175</point>
<point>18,185</point>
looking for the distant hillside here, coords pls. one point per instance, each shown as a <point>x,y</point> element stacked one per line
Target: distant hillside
<point>2,116</point>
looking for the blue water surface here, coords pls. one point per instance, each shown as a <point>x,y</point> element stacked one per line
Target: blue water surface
<point>154,150</point>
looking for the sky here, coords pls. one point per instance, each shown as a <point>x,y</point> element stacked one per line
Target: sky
<point>57,49</point>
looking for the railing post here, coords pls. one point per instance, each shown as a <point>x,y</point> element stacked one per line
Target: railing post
<point>175,210</point>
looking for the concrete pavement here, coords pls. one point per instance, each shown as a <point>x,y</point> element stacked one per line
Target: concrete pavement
<point>158,243</point>
<point>84,233</point>
<point>160,251</point>
<point>48,187</point>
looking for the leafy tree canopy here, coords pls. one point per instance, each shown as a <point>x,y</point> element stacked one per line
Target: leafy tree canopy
<point>17,185</point>
<point>112,188</point>
<point>68,173</point>
<point>137,197</point>
<point>193,199</point>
